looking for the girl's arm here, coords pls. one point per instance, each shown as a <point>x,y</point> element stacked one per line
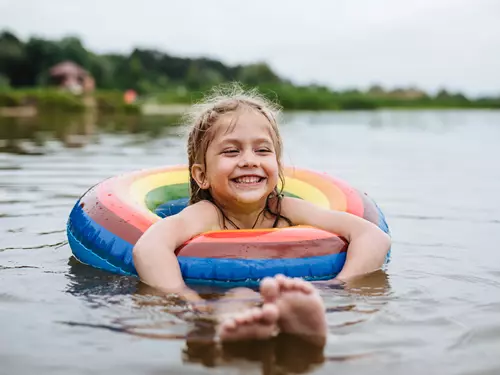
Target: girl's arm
<point>368,244</point>
<point>154,257</point>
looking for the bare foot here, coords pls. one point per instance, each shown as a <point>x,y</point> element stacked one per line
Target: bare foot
<point>236,301</point>
<point>257,323</point>
<point>301,309</point>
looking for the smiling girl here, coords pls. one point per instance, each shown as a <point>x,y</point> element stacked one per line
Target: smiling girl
<point>234,151</point>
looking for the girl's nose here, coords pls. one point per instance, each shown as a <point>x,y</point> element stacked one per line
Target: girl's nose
<point>248,159</point>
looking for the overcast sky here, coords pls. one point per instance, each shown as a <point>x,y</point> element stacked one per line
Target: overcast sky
<point>340,43</point>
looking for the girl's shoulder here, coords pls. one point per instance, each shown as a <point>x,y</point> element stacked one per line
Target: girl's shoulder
<point>203,212</point>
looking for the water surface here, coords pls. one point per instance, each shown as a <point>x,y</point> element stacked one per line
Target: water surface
<point>435,310</point>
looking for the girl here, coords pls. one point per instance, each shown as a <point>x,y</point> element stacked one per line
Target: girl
<point>234,150</point>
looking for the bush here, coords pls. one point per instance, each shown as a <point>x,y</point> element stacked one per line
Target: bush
<point>57,101</point>
<point>44,100</point>
<point>112,102</point>
<point>9,99</point>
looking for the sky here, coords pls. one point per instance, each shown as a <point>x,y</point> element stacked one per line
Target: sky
<point>431,44</point>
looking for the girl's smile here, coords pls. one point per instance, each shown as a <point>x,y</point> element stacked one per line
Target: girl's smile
<point>248,181</point>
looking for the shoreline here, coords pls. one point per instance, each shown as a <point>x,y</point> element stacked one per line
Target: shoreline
<point>150,109</point>
<point>180,109</point>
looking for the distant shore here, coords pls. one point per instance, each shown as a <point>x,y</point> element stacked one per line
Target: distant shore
<point>150,109</point>
<point>30,102</point>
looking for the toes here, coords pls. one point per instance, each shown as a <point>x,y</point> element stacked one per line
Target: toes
<point>250,316</point>
<point>270,313</point>
<point>303,285</point>
<point>283,281</point>
<point>255,314</point>
<point>257,323</point>
<point>269,289</point>
<point>248,333</point>
<point>280,278</point>
<point>230,325</point>
<point>264,332</point>
<point>287,283</point>
<point>227,326</point>
<point>242,319</point>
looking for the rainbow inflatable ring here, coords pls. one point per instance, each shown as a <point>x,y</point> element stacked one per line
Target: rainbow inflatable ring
<point>108,219</point>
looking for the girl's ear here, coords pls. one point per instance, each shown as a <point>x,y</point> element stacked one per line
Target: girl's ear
<point>198,173</point>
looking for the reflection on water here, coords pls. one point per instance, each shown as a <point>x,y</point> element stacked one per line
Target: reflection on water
<point>32,135</point>
<point>434,309</point>
<point>284,354</point>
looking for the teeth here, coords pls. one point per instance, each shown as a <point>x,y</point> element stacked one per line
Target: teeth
<point>248,179</point>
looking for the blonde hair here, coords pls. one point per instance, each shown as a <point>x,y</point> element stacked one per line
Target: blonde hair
<point>204,115</point>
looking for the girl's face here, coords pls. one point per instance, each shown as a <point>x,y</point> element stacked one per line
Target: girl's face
<point>241,161</point>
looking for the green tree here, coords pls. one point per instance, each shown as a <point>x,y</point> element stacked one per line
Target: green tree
<point>255,74</point>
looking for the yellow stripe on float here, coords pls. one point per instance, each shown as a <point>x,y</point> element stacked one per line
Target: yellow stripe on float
<point>306,191</point>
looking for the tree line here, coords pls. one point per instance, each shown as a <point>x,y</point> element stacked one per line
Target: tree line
<point>169,78</point>
<point>26,64</point>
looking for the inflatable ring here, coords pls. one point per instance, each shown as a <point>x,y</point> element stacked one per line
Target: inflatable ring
<point>108,219</point>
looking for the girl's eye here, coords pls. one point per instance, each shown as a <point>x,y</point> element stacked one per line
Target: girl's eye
<point>230,151</point>
<point>263,150</point>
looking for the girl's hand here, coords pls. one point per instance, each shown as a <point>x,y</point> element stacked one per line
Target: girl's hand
<point>368,244</point>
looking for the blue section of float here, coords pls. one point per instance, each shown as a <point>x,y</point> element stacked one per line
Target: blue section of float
<point>250,271</point>
<point>94,245</point>
<point>172,207</point>
<point>382,222</point>
<point>87,256</point>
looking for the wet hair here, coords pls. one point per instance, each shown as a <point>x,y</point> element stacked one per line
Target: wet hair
<point>222,100</point>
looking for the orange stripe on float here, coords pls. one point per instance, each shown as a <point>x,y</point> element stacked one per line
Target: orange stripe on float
<point>287,234</point>
<point>334,194</point>
<point>354,202</point>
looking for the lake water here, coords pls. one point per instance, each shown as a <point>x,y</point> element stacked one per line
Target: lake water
<point>435,310</point>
